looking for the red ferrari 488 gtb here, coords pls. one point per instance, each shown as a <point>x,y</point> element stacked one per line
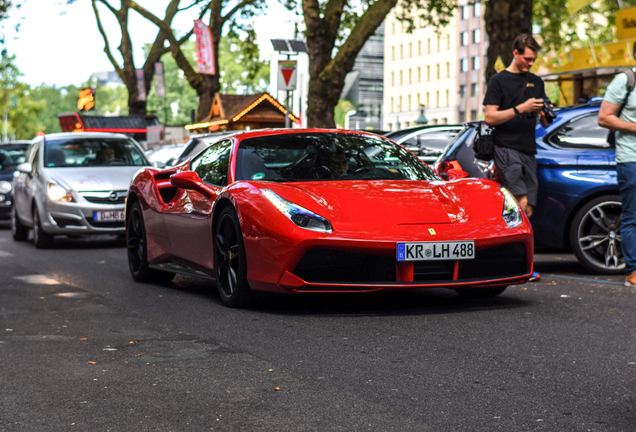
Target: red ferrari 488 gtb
<point>291,211</point>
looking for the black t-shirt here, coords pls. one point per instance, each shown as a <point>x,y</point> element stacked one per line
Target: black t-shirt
<point>505,91</point>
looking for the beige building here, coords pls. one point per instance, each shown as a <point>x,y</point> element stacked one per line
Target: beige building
<point>420,68</point>
<point>444,70</point>
<point>471,61</point>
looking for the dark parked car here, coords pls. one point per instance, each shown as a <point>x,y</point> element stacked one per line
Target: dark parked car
<point>196,144</point>
<point>12,154</point>
<point>427,142</point>
<point>579,206</point>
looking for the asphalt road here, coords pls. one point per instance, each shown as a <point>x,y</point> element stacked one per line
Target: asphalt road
<point>85,348</point>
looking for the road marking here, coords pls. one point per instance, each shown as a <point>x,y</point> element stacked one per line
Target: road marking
<point>5,254</point>
<point>586,279</point>
<point>39,280</point>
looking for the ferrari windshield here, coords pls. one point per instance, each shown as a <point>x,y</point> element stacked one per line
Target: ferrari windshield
<point>82,152</point>
<point>327,156</point>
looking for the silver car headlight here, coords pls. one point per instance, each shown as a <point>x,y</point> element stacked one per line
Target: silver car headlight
<point>5,187</point>
<point>58,193</point>
<point>511,210</point>
<point>299,215</point>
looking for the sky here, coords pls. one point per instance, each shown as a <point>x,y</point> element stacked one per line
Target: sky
<point>61,45</point>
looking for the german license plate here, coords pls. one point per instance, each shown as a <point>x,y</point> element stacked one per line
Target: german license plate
<point>426,251</point>
<point>108,216</point>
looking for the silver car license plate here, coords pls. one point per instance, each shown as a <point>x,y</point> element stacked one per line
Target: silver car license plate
<point>108,216</point>
<point>426,251</point>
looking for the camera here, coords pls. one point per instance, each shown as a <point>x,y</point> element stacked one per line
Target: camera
<point>547,109</point>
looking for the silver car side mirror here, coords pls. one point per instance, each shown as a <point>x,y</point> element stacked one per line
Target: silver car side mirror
<point>25,168</point>
<point>158,164</point>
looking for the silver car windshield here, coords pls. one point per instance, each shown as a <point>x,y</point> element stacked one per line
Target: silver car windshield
<point>82,152</point>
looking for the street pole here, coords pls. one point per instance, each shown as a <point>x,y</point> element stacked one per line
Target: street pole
<point>287,109</point>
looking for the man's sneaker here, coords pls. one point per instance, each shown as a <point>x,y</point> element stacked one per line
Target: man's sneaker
<point>536,277</point>
<point>630,280</point>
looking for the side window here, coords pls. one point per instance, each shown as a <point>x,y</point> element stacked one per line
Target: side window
<point>213,164</point>
<point>581,133</point>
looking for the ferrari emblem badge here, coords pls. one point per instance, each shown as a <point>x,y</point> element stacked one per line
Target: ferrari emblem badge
<point>431,231</point>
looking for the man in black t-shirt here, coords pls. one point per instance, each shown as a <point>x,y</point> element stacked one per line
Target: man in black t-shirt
<point>514,101</point>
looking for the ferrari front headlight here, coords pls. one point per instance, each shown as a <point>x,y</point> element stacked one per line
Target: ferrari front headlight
<point>5,187</point>
<point>299,215</point>
<point>58,193</point>
<point>511,210</point>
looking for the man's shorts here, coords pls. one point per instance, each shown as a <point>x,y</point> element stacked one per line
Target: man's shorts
<point>518,171</point>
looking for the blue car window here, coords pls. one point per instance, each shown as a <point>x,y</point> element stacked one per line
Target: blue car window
<point>582,132</point>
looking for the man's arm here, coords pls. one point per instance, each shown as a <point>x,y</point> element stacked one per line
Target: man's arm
<point>494,117</point>
<point>607,118</point>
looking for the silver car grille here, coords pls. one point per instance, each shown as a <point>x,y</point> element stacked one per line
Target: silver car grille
<point>105,197</point>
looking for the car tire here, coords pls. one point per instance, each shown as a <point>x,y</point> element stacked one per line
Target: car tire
<point>230,261</point>
<point>137,247</point>
<point>595,235</point>
<point>480,293</point>
<point>41,239</point>
<point>19,231</point>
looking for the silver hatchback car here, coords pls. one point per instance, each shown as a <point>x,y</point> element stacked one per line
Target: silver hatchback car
<point>74,184</point>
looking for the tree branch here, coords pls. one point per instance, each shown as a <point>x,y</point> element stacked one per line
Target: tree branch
<point>112,9</point>
<point>235,9</point>
<point>107,50</point>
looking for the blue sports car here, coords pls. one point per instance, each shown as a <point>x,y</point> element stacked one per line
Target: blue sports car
<point>578,207</point>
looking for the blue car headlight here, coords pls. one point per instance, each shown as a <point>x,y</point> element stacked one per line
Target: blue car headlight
<point>511,210</point>
<point>299,215</point>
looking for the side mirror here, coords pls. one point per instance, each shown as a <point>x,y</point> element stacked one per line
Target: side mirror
<point>190,180</point>
<point>158,164</point>
<point>25,168</point>
<point>456,174</point>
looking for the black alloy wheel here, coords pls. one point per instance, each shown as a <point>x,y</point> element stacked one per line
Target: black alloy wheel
<point>19,231</point>
<point>480,293</point>
<point>138,249</point>
<point>41,238</point>
<point>230,261</point>
<point>595,235</point>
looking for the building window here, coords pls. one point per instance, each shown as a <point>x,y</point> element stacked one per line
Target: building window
<point>439,40</point>
<point>428,99</point>
<point>401,81</point>
<point>410,49</point>
<point>428,46</point>
<point>392,79</point>
<point>448,42</point>
<point>406,124</point>
<point>409,99</point>
<point>410,81</point>
<point>419,74</point>
<point>419,48</point>
<point>434,121</point>
<point>393,28</point>
<point>438,72</point>
<point>465,38</point>
<point>476,64</point>
<point>399,107</point>
<point>473,114</point>
<point>464,65</point>
<point>462,117</point>
<point>447,98</point>
<point>428,72</point>
<point>476,36</point>
<point>477,9</point>
<point>436,98</point>
<point>401,51</point>
<point>462,91</point>
<point>418,100</point>
<point>443,120</point>
<point>390,125</point>
<point>465,12</point>
<point>474,89</point>
<point>392,104</point>
<point>447,69</point>
<point>392,53</point>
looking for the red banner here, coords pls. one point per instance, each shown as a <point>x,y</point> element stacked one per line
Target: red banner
<point>205,48</point>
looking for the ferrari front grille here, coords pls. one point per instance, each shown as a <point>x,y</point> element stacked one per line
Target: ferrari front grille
<point>332,266</point>
<point>498,262</point>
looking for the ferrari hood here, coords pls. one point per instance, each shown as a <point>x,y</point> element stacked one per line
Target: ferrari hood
<point>371,202</point>
<point>94,178</point>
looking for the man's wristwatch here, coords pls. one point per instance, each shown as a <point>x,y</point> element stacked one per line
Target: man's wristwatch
<point>514,108</point>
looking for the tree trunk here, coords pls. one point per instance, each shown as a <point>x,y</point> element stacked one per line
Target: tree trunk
<point>207,90</point>
<point>505,20</point>
<point>327,74</point>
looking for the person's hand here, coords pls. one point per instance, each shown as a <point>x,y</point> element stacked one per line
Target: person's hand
<point>531,105</point>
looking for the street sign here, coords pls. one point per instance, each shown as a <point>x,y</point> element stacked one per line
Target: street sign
<point>287,75</point>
